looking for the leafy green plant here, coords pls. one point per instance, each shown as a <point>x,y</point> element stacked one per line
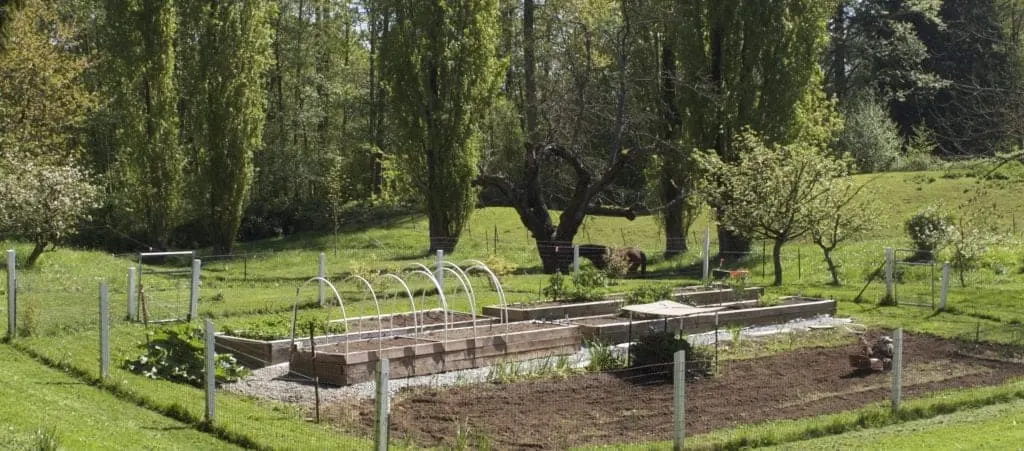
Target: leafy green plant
<point>736,333</point>
<point>45,439</point>
<point>769,301</point>
<point>466,438</point>
<point>280,326</point>
<point>555,290</point>
<point>587,283</point>
<point>645,294</point>
<point>28,321</point>
<point>603,357</point>
<point>500,266</point>
<point>657,350</point>
<point>176,354</point>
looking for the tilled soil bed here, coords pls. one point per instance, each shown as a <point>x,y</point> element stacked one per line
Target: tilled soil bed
<point>620,408</point>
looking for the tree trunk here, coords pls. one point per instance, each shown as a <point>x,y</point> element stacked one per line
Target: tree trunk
<point>731,245</point>
<point>555,256</point>
<point>38,251</point>
<point>838,85</point>
<point>675,226</point>
<point>831,265</point>
<point>777,262</point>
<point>675,237</point>
<point>440,239</point>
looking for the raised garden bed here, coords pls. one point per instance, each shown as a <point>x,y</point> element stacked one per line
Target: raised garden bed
<point>702,295</point>
<point>254,353</point>
<point>697,295</point>
<point>616,329</point>
<point>548,311</point>
<point>430,353</point>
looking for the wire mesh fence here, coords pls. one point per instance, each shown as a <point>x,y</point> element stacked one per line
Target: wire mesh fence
<point>554,402</point>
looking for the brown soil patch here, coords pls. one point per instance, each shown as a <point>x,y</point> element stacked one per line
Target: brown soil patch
<point>619,408</point>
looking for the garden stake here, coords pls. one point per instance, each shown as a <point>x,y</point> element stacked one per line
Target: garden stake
<point>316,379</point>
<point>799,265</point>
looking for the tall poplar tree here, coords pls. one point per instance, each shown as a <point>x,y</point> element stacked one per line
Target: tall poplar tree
<point>234,56</point>
<point>439,63</point>
<point>140,80</point>
<point>746,63</point>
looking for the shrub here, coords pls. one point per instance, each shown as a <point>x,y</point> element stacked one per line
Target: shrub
<point>176,354</point>
<point>929,229</point>
<point>658,349</point>
<point>870,136</point>
<point>500,266</point>
<point>649,293</point>
<point>918,153</point>
<point>556,289</point>
<point>587,283</point>
<point>617,264</point>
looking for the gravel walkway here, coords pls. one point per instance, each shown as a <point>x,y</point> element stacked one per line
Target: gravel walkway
<point>274,382</point>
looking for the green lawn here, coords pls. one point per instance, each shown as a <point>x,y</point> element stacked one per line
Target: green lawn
<point>77,416</point>
<point>58,310</point>
<point>994,427</point>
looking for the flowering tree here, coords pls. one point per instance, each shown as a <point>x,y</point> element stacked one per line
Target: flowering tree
<point>42,203</point>
<point>774,192</point>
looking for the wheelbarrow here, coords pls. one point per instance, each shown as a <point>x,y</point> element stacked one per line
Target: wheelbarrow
<point>862,362</point>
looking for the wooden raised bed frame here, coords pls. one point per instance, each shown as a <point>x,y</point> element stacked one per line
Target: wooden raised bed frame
<point>253,353</point>
<point>547,311</point>
<point>430,355</point>
<point>616,330</point>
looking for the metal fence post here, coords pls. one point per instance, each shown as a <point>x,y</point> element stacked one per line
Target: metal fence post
<point>193,304</point>
<point>575,259</point>
<point>897,369</point>
<point>12,293</point>
<point>211,370</point>
<point>679,400</point>
<point>890,267</point>
<point>321,273</point>
<point>133,288</point>
<point>707,254</point>
<point>440,268</point>
<point>104,331</point>
<point>944,290</point>
<point>381,426</point>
